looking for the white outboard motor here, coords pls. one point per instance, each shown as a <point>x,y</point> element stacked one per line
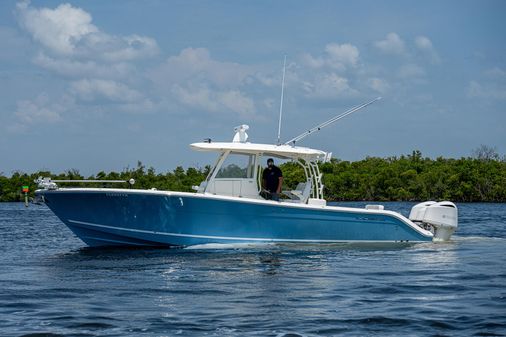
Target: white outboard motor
<point>440,217</point>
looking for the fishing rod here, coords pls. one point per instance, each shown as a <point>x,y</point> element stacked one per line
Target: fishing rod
<point>330,121</point>
<point>281,104</point>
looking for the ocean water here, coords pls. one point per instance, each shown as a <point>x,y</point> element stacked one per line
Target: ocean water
<point>52,285</point>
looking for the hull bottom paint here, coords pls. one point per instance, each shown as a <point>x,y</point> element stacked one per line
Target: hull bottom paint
<point>102,217</point>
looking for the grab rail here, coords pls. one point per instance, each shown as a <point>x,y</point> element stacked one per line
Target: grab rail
<point>50,184</point>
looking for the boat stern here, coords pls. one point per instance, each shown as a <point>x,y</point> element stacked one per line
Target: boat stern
<point>441,218</point>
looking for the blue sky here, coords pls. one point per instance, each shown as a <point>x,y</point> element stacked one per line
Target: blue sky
<point>98,85</point>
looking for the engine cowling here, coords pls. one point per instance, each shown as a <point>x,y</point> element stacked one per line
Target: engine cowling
<point>441,216</point>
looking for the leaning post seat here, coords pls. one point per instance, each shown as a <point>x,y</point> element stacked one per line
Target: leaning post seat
<point>300,194</point>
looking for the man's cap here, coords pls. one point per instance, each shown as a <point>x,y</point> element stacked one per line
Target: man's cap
<point>270,160</point>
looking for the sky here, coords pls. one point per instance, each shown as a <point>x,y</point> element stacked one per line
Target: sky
<point>99,85</point>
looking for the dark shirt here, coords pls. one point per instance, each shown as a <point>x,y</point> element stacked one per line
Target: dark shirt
<point>271,176</point>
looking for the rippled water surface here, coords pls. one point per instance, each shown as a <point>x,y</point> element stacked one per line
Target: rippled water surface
<point>50,284</point>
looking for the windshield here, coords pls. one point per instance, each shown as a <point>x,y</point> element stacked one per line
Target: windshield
<point>237,165</point>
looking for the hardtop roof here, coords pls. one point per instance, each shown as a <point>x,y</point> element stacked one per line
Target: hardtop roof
<point>282,151</point>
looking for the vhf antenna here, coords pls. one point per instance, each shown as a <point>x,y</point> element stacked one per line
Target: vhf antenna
<point>330,121</point>
<point>281,104</point>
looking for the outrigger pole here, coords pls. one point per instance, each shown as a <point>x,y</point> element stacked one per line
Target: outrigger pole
<point>330,121</point>
<point>281,104</point>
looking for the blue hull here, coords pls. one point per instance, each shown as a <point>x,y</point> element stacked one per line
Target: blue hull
<point>136,218</point>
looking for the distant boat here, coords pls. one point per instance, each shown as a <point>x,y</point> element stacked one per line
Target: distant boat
<point>228,207</point>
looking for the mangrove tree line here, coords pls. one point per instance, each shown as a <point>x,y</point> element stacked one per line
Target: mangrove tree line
<point>481,178</point>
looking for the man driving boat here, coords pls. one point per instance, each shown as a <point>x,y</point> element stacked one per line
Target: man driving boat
<point>272,180</point>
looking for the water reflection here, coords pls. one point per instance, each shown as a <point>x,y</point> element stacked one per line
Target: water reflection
<point>430,254</point>
<point>271,263</point>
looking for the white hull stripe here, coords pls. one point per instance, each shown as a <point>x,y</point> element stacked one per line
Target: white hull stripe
<point>222,237</point>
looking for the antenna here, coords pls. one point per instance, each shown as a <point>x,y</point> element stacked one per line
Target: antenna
<point>281,104</point>
<point>330,121</point>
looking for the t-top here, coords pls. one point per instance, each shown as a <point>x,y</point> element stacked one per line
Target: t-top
<point>271,176</point>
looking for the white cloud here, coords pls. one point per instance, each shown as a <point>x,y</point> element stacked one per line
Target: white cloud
<point>197,80</point>
<point>410,71</point>
<point>196,65</point>
<point>96,89</point>
<point>46,110</point>
<point>313,62</point>
<point>336,56</point>
<point>492,86</point>
<point>268,80</point>
<point>41,110</point>
<point>68,31</point>
<point>425,46</point>
<point>141,106</point>
<point>197,98</point>
<point>494,91</point>
<point>84,68</point>
<point>128,48</point>
<point>235,101</point>
<point>423,43</point>
<point>496,73</point>
<point>99,67</point>
<point>57,29</point>
<point>342,55</point>
<point>392,44</point>
<point>329,86</point>
<point>215,101</point>
<point>379,85</point>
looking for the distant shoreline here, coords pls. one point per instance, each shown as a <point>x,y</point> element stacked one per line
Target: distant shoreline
<point>405,178</point>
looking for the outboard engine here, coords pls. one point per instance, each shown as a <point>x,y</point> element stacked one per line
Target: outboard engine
<point>441,218</point>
